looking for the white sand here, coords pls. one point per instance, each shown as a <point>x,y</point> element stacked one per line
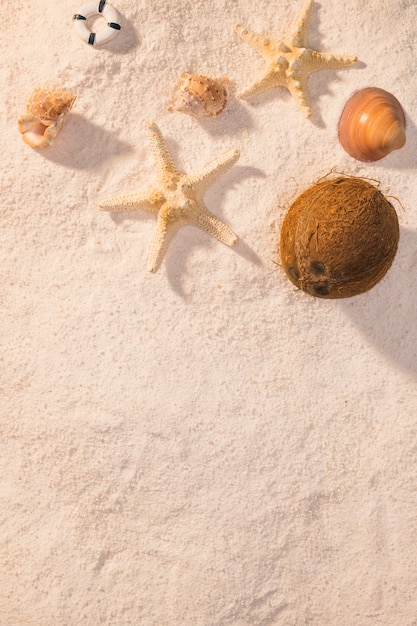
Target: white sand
<point>206,445</point>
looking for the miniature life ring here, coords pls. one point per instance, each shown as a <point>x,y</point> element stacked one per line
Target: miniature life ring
<point>93,8</point>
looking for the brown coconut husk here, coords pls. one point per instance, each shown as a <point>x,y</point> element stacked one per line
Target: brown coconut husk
<point>339,238</point>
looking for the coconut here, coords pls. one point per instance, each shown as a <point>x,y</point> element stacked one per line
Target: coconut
<point>339,238</point>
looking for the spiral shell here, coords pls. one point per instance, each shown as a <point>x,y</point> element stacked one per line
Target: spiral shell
<point>372,124</point>
<point>200,95</point>
<point>46,111</point>
<point>339,238</point>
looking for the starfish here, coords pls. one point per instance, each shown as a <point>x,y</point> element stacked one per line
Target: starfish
<point>290,61</point>
<point>176,199</point>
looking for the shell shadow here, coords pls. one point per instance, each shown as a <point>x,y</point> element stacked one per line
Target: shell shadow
<point>234,120</point>
<point>406,157</point>
<point>386,315</point>
<point>82,144</point>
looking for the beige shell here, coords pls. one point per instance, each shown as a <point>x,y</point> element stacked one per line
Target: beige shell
<point>200,96</point>
<point>372,124</point>
<point>46,111</point>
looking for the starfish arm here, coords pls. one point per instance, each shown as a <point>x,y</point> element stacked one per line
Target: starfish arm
<point>298,37</point>
<point>213,226</point>
<point>149,201</point>
<point>164,162</point>
<point>270,79</point>
<point>162,236</point>
<point>315,61</point>
<point>260,44</point>
<point>297,86</point>
<point>204,179</point>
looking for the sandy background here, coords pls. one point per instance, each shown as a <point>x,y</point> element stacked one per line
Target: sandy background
<point>206,446</point>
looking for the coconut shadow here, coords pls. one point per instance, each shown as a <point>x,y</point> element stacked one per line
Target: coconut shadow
<point>386,314</point>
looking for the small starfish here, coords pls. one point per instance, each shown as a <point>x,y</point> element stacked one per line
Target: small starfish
<point>176,199</point>
<point>290,61</point>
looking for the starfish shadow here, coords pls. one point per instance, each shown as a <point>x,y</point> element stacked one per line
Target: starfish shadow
<point>274,94</point>
<point>82,144</point>
<point>189,237</point>
<point>181,248</point>
<point>386,314</point>
<point>319,84</point>
<point>237,174</point>
<point>245,251</point>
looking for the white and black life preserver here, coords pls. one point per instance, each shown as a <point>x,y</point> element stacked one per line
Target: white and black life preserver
<point>93,8</point>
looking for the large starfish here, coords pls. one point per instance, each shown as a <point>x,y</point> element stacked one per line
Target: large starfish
<point>290,61</point>
<point>176,199</point>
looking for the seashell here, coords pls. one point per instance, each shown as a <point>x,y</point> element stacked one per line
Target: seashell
<point>372,124</point>
<point>46,111</point>
<point>200,96</point>
<point>339,238</point>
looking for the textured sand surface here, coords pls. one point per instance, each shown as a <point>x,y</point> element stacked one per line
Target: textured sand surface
<point>206,446</point>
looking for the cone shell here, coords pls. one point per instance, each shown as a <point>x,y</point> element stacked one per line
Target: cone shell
<point>372,124</point>
<point>339,238</point>
<point>200,95</point>
<point>46,111</point>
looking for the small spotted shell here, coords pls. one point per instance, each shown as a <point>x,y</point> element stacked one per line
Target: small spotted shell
<point>372,124</point>
<point>46,111</point>
<point>200,96</point>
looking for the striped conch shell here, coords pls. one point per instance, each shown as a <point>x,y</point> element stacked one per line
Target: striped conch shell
<point>372,124</point>
<point>46,111</point>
